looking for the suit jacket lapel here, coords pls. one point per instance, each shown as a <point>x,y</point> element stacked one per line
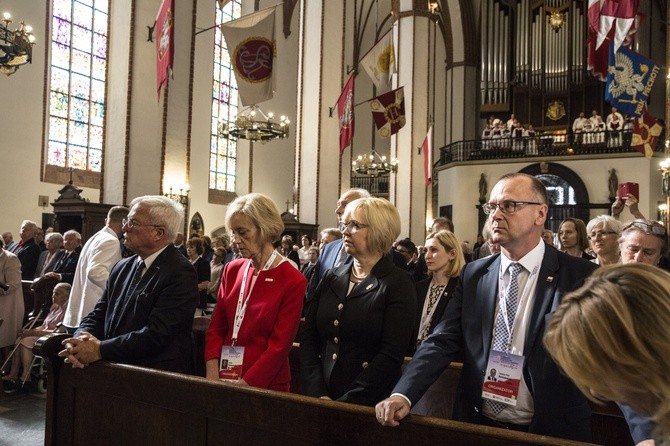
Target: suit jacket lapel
<point>489,293</point>
<point>545,294</point>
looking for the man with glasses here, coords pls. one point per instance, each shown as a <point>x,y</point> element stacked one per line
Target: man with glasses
<point>496,319</point>
<point>145,314</point>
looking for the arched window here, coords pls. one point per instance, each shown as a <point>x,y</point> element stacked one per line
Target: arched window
<point>78,72</point>
<point>223,152</point>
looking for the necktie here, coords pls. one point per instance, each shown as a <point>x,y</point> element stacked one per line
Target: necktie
<point>502,338</point>
<point>137,274</point>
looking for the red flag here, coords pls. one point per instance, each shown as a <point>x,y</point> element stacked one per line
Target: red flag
<point>427,148</point>
<point>646,130</point>
<point>345,114</point>
<point>608,20</point>
<point>388,111</point>
<point>164,43</point>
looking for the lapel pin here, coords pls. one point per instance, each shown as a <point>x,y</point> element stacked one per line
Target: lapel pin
<point>268,279</point>
<point>550,279</point>
<point>368,287</point>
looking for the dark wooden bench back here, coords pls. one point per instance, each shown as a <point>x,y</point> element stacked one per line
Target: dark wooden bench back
<point>107,404</point>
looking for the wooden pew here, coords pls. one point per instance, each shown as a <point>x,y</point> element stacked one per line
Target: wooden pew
<point>108,403</point>
<point>608,425</point>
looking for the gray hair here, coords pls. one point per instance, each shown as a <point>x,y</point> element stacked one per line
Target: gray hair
<point>57,236</point>
<point>164,212</point>
<point>72,232</point>
<point>608,223</point>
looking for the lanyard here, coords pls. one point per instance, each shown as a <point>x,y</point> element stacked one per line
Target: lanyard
<point>241,301</point>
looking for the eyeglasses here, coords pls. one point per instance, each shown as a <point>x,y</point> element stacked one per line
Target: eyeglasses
<point>132,223</point>
<point>353,226</point>
<point>650,227</point>
<point>506,207</point>
<point>595,235</point>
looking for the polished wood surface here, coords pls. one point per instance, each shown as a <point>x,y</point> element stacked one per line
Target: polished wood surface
<point>108,403</point>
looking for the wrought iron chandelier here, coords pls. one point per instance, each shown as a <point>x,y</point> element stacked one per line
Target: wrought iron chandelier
<point>374,164</point>
<point>254,125</point>
<point>16,46</point>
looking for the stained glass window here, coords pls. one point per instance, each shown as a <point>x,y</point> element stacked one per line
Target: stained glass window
<point>77,84</point>
<point>223,152</point>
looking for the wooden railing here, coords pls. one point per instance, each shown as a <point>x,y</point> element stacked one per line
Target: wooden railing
<point>111,404</point>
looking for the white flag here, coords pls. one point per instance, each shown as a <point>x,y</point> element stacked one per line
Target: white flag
<point>250,40</point>
<point>379,62</point>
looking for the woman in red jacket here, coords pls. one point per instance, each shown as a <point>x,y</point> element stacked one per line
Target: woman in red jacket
<point>259,302</point>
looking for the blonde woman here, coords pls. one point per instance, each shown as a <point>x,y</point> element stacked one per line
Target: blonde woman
<point>259,303</point>
<point>611,338</point>
<point>603,232</point>
<point>361,322</point>
<point>444,261</point>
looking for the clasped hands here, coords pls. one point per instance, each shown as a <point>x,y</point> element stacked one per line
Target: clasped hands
<point>81,351</point>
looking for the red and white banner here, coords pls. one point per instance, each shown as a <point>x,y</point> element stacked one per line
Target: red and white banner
<point>388,112</point>
<point>251,45</point>
<point>427,148</point>
<point>164,43</point>
<point>646,130</point>
<point>345,113</point>
<point>614,20</point>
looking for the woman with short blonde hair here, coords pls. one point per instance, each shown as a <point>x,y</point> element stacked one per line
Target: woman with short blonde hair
<point>611,338</point>
<point>360,324</point>
<point>259,303</point>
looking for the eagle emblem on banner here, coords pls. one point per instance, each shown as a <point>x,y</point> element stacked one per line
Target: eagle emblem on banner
<point>630,77</point>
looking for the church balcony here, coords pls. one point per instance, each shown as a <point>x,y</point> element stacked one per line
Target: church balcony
<point>547,145</point>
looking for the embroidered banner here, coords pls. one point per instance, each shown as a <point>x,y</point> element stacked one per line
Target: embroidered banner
<point>251,44</point>
<point>345,113</point>
<point>388,111</point>
<point>629,80</point>
<point>164,43</point>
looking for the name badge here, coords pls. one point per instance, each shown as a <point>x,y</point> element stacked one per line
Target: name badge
<point>503,376</point>
<point>230,364</point>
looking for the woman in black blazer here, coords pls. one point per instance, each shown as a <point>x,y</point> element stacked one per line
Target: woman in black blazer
<point>444,261</point>
<point>358,329</point>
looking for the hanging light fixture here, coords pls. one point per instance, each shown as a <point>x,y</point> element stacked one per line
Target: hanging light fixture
<point>16,46</point>
<point>374,164</point>
<point>254,125</point>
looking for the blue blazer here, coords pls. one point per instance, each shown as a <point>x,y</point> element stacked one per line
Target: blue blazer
<point>560,408</point>
<point>150,324</point>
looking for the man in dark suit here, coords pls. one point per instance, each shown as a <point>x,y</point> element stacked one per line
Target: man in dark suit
<point>27,250</point>
<point>66,265</point>
<point>547,402</point>
<point>145,315</point>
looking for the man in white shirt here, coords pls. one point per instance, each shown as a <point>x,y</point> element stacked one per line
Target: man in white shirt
<point>96,259</point>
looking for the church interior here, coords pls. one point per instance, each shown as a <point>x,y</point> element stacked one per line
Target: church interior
<point>87,126</point>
